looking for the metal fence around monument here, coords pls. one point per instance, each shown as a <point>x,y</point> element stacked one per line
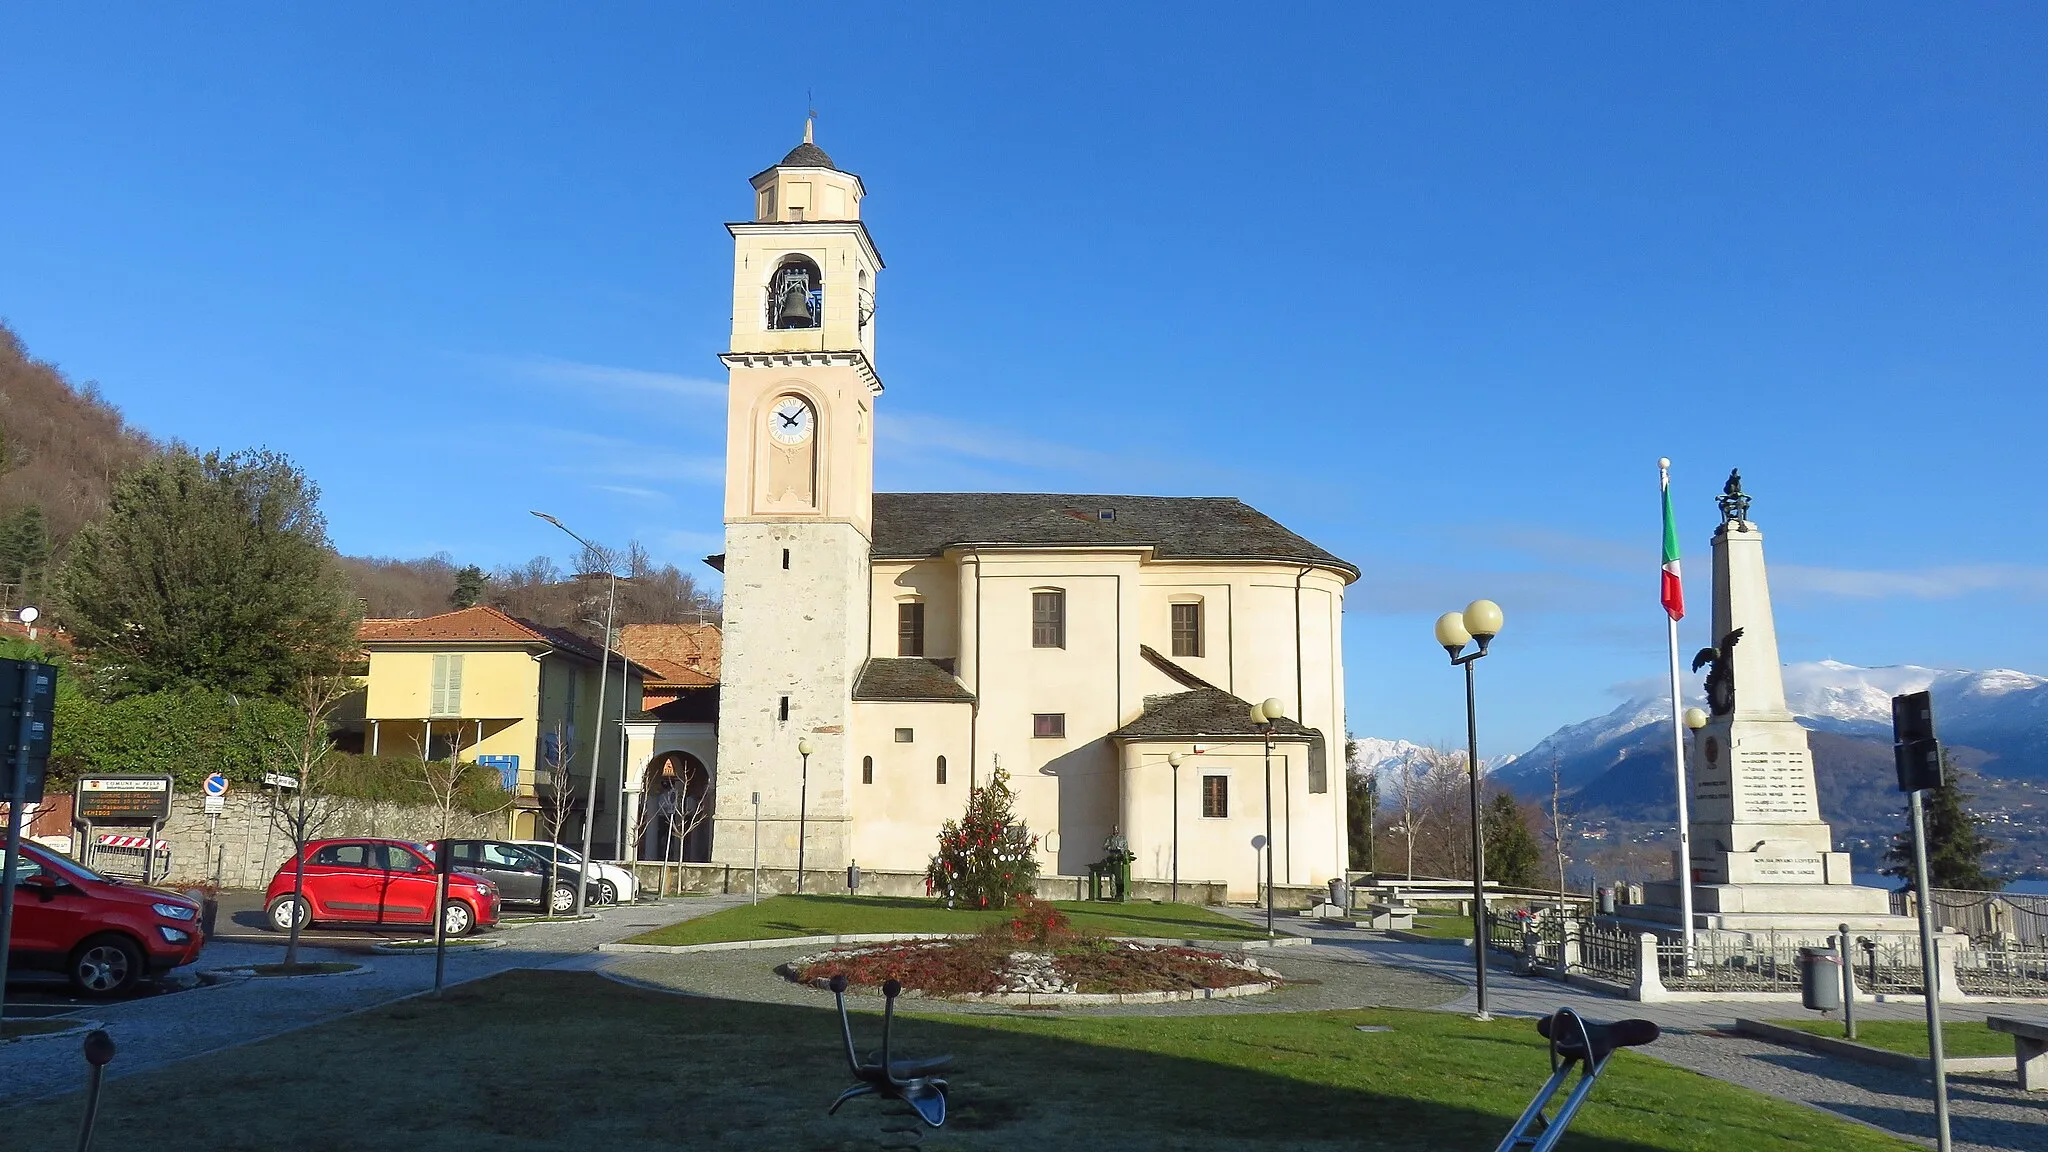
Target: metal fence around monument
<point>2003,971</point>
<point>2010,918</point>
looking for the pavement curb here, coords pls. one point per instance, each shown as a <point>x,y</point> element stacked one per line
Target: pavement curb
<point>1865,1053</point>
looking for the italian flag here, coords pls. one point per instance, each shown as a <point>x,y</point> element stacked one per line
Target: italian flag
<point>1674,590</point>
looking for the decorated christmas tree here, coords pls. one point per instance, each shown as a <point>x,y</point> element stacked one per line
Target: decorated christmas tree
<point>987,858</point>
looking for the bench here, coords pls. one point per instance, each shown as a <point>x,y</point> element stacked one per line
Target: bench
<point>2030,1049</point>
<point>1385,915</point>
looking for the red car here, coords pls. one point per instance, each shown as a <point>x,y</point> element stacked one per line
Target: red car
<point>365,880</point>
<point>106,935</point>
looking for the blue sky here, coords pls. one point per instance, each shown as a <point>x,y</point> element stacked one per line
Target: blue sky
<point>1433,285</point>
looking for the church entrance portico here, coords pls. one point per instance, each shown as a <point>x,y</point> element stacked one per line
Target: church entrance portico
<point>669,801</point>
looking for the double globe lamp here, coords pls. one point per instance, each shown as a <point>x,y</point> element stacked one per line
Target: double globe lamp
<point>1480,621</point>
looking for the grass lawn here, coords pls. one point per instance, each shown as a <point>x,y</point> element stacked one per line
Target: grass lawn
<point>1443,927</point>
<point>16,1029</point>
<point>1958,1037</point>
<point>781,916</point>
<point>485,1070</point>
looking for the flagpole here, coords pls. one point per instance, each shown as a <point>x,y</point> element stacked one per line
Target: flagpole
<point>1678,756</point>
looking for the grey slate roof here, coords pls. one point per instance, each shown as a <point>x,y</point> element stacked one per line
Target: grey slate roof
<point>917,525</point>
<point>1201,712</point>
<point>807,155</point>
<point>908,678</point>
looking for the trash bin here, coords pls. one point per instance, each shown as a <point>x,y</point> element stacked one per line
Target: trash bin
<point>1820,979</point>
<point>1337,893</point>
<point>1607,901</point>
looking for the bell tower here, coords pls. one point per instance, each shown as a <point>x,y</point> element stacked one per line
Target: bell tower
<point>799,496</point>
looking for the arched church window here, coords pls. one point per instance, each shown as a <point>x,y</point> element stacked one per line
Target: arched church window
<point>796,294</point>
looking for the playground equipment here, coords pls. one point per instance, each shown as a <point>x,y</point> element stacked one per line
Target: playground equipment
<point>910,1081</point>
<point>1573,1043</point>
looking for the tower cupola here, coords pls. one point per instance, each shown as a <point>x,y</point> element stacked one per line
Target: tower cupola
<point>806,186</point>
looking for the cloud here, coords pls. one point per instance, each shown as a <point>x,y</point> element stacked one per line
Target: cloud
<point>594,454</point>
<point>629,490</point>
<point>552,370</point>
<point>1943,582</point>
<point>922,432</point>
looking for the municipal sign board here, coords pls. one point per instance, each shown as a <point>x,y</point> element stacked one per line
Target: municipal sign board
<point>107,798</point>
<point>280,780</point>
<point>216,785</point>
<point>215,805</point>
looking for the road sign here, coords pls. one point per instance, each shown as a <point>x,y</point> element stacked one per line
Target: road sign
<point>109,799</point>
<point>28,693</point>
<point>216,785</point>
<point>215,805</point>
<point>279,780</point>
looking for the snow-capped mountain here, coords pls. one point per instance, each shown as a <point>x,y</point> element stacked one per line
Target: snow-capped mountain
<point>2001,712</point>
<point>1386,758</point>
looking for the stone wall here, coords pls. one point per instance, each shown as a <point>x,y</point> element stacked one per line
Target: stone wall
<point>723,878</point>
<point>245,849</point>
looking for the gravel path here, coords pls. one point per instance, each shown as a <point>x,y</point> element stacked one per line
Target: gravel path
<point>1338,981</point>
<point>157,1030</point>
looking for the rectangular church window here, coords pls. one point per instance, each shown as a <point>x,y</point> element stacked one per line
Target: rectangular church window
<point>910,628</point>
<point>1049,725</point>
<point>903,735</point>
<point>1049,619</point>
<point>1216,796</point>
<point>1187,629</point>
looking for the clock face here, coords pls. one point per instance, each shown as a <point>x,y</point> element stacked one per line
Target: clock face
<point>790,421</point>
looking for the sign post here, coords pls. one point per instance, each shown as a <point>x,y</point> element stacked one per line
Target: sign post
<point>1917,756</point>
<point>124,798</point>
<point>28,692</point>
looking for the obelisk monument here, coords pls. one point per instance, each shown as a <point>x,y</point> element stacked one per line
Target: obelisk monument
<point>1762,857</point>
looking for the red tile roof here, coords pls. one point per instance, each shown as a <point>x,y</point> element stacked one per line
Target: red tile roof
<point>683,655</point>
<point>481,625</point>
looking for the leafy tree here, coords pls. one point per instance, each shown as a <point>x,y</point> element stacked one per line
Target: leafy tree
<point>25,553</point>
<point>470,585</point>
<point>1512,854</point>
<point>1956,844</point>
<point>211,571</point>
<point>1361,812</point>
<point>987,858</point>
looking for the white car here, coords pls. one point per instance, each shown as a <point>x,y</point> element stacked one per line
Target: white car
<point>615,884</point>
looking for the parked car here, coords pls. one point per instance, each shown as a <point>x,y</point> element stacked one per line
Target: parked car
<point>614,882</point>
<point>520,874</point>
<point>366,880</point>
<point>104,934</point>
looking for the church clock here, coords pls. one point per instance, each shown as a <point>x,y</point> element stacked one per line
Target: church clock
<point>790,421</point>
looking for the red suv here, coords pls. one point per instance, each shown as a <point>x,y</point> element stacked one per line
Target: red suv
<point>106,935</point>
<point>361,880</point>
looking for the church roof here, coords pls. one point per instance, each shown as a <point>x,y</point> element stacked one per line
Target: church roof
<point>908,678</point>
<point>917,525</point>
<point>807,155</point>
<point>1201,712</point>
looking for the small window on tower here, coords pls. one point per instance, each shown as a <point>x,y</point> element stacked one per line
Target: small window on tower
<point>785,559</point>
<point>867,769</point>
<point>904,735</point>
<point>942,769</point>
<point>784,710</point>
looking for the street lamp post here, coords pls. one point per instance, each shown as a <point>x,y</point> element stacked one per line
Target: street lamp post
<point>1695,719</point>
<point>1263,718</point>
<point>604,667</point>
<point>803,794</point>
<point>1481,621</point>
<point>1173,761</point>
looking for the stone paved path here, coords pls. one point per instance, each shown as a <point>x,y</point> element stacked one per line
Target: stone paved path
<point>156,1030</point>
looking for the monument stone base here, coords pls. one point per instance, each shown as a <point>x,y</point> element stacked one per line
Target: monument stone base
<point>1816,908</point>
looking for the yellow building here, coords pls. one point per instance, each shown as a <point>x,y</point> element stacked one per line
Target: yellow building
<point>915,642</point>
<point>507,694</point>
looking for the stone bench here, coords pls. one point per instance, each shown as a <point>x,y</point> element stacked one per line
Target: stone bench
<point>2030,1049</point>
<point>1386,916</point>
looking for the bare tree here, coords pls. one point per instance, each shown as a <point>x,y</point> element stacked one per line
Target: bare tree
<point>560,800</point>
<point>1560,833</point>
<point>306,753</point>
<point>451,782</point>
<point>684,815</point>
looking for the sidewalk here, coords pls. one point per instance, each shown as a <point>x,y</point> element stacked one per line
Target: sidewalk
<point>1987,1113</point>
<point>158,1030</point>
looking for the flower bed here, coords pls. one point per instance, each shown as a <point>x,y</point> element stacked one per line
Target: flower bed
<point>983,966</point>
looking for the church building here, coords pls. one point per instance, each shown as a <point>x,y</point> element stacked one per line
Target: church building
<point>885,652</point>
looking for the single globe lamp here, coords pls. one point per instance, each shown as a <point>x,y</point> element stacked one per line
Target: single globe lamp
<point>1173,759</point>
<point>1483,620</point>
<point>1274,709</point>
<point>803,747</point>
<point>1695,719</point>
<point>1451,632</point>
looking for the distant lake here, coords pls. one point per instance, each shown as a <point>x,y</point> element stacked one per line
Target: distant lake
<point>1879,880</point>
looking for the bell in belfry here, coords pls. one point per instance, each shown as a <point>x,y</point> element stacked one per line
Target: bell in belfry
<point>795,310</point>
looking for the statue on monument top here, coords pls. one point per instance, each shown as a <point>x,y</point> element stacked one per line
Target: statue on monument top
<point>1734,502</point>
